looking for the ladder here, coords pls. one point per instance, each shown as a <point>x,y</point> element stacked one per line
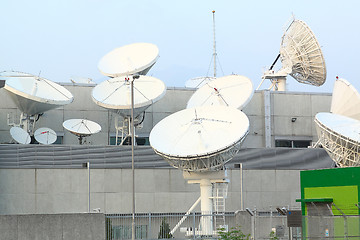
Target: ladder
<point>219,195</point>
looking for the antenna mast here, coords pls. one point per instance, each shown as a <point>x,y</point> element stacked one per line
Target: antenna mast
<point>214,54</point>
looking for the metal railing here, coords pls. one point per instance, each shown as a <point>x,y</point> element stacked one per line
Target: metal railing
<point>331,227</point>
<point>161,226</point>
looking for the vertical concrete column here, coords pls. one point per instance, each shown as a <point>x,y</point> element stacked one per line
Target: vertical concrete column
<point>267,118</point>
<point>206,207</point>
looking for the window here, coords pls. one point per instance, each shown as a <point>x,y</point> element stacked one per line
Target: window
<point>140,141</point>
<point>124,232</point>
<point>292,143</point>
<point>59,140</point>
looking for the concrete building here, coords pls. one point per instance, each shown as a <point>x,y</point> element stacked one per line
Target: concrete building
<point>49,179</point>
<point>277,118</point>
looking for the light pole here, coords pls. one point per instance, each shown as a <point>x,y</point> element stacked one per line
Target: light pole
<point>132,155</point>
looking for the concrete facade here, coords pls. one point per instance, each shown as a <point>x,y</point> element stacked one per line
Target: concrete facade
<point>49,191</point>
<point>283,107</point>
<point>28,191</point>
<point>52,226</point>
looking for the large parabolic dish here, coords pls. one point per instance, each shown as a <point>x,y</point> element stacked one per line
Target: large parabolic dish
<point>345,99</point>
<point>233,90</point>
<point>35,95</point>
<point>200,139</point>
<point>115,94</point>
<point>301,57</point>
<point>340,137</point>
<point>301,53</point>
<point>136,58</point>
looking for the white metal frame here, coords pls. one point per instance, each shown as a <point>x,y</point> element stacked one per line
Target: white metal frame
<point>344,151</point>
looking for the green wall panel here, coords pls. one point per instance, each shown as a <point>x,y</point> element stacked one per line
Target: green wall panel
<point>344,197</point>
<point>322,179</point>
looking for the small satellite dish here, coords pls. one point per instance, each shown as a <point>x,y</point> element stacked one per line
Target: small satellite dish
<point>200,139</point>
<point>136,58</point>
<point>233,90</point>
<point>340,137</point>
<point>345,99</point>
<point>20,135</point>
<point>115,94</point>
<point>301,57</point>
<point>45,136</point>
<point>81,127</point>
<point>198,82</point>
<point>35,95</point>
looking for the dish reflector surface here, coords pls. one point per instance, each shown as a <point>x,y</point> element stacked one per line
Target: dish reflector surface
<point>345,99</point>
<point>129,59</point>
<point>344,126</point>
<point>198,82</point>
<point>45,136</point>
<point>81,127</point>
<point>199,133</point>
<point>20,135</point>
<point>34,95</point>
<point>115,94</point>
<point>340,137</point>
<point>301,53</point>
<point>233,90</point>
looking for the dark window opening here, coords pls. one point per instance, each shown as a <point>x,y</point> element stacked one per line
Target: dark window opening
<point>292,143</point>
<point>140,141</point>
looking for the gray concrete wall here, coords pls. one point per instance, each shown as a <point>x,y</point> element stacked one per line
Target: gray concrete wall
<point>48,191</point>
<point>52,226</point>
<point>284,106</point>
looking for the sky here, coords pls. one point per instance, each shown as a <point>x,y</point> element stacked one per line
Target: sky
<point>64,39</point>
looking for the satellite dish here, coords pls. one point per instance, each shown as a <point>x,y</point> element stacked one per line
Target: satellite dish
<point>345,99</point>
<point>45,136</point>
<point>34,95</point>
<point>301,57</point>
<point>233,90</point>
<point>200,139</point>
<point>20,135</point>
<point>136,58</point>
<point>81,127</point>
<point>198,82</point>
<point>340,137</point>
<point>115,94</point>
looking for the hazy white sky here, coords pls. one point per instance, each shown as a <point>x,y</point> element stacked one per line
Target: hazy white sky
<point>66,38</point>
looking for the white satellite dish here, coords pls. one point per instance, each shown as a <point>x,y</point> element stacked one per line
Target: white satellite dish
<point>115,94</point>
<point>35,95</point>
<point>20,135</point>
<point>340,137</point>
<point>301,57</point>
<point>233,90</point>
<point>136,58</point>
<point>45,136</point>
<point>198,82</point>
<point>345,99</point>
<point>200,139</point>
<point>81,127</point>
